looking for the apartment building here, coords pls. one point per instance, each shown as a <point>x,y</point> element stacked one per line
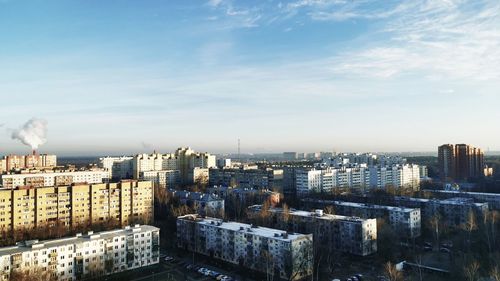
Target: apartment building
<point>245,195</point>
<point>459,162</point>
<point>287,255</point>
<point>309,180</point>
<point>118,167</point>
<point>493,199</point>
<point>80,257</point>
<point>246,178</point>
<point>453,212</point>
<point>76,205</point>
<point>351,235</point>
<point>18,162</point>
<point>206,204</point>
<point>405,221</point>
<point>396,176</point>
<point>163,178</point>
<point>36,178</point>
<point>184,160</point>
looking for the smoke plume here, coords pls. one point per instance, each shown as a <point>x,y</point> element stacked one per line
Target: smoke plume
<point>32,133</point>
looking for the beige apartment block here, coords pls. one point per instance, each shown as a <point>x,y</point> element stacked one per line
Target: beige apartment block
<point>122,203</point>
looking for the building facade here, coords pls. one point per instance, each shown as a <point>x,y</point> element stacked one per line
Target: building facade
<point>19,162</point>
<point>92,255</point>
<point>287,255</point>
<point>459,162</point>
<point>246,178</point>
<point>453,212</point>
<point>406,222</point>
<point>53,178</point>
<point>204,203</point>
<point>123,203</point>
<point>351,235</point>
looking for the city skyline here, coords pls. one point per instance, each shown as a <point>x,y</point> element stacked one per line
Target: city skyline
<point>309,75</point>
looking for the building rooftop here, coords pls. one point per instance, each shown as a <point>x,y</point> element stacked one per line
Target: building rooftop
<point>28,246</point>
<point>362,205</point>
<point>247,228</point>
<point>317,214</point>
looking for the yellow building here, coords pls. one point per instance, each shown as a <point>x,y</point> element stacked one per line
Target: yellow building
<point>123,203</point>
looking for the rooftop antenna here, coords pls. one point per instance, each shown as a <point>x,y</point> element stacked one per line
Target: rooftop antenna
<point>239,150</point>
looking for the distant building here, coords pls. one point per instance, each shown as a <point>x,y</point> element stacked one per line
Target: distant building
<point>351,235</point>
<point>290,156</point>
<point>246,178</point>
<point>223,163</point>
<point>309,180</point>
<point>453,212</point>
<point>36,178</point>
<point>190,165</point>
<point>405,222</point>
<point>246,196</point>
<point>287,255</point>
<point>206,204</point>
<point>88,256</point>
<point>19,162</point>
<point>460,162</point>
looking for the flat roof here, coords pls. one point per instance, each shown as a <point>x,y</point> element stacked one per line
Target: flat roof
<point>247,228</point>
<point>28,246</point>
<point>362,205</point>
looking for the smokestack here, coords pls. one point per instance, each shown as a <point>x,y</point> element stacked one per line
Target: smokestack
<point>34,152</point>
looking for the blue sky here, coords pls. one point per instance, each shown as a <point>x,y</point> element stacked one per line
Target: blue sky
<point>113,77</point>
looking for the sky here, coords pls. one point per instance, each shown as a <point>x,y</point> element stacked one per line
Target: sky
<point>121,77</point>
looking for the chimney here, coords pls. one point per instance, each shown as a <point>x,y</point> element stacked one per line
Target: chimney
<point>34,151</point>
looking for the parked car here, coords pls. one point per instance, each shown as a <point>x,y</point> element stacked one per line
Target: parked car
<point>427,249</point>
<point>444,250</point>
<point>360,276</point>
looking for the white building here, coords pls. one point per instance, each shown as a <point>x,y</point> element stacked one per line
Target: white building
<point>287,255</point>
<point>395,176</point>
<point>85,256</point>
<point>405,221</point>
<point>346,234</point>
<point>162,178</point>
<point>118,167</point>
<point>453,212</point>
<point>53,178</point>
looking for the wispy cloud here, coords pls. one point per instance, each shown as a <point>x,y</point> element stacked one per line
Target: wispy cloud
<point>439,39</point>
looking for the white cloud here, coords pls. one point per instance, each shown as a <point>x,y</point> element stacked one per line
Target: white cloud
<point>215,3</point>
<point>442,39</point>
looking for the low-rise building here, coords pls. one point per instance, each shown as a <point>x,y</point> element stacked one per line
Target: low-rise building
<point>92,255</point>
<point>205,204</point>
<point>351,235</point>
<point>493,199</point>
<point>405,221</point>
<point>283,254</point>
<point>453,212</point>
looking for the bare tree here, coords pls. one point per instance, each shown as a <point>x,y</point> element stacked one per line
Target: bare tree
<point>434,223</point>
<point>392,273</point>
<point>495,273</point>
<point>470,271</point>
<point>470,225</point>
<point>33,274</point>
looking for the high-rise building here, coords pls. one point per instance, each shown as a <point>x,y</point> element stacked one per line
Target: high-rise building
<point>77,205</point>
<point>256,248</point>
<point>88,256</point>
<point>460,162</point>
